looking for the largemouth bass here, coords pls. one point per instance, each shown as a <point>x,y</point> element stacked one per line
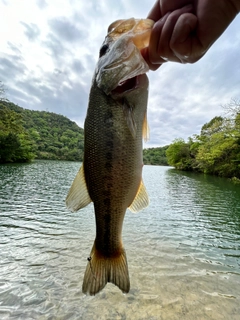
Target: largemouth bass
<point>111,174</point>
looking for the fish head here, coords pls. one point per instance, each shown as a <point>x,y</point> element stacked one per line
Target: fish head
<point>120,61</point>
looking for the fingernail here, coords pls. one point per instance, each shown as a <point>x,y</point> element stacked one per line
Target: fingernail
<point>164,58</point>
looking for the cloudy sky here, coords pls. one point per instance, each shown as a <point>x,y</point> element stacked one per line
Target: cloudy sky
<point>48,52</point>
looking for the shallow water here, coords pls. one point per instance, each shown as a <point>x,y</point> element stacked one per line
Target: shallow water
<point>183,250</point>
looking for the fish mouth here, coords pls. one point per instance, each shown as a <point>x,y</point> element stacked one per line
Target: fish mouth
<point>126,86</point>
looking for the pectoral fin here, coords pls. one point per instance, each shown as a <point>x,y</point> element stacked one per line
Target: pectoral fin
<point>141,200</point>
<point>78,196</point>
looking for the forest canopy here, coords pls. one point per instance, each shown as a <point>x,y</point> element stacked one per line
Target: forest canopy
<point>216,150</point>
<point>155,156</point>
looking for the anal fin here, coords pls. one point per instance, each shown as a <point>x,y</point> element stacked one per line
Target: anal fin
<point>78,196</point>
<point>141,199</point>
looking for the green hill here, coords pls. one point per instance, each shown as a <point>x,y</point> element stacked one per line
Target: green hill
<point>27,134</point>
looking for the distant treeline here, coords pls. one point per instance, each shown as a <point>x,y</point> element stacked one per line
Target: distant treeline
<point>155,156</point>
<point>216,150</point>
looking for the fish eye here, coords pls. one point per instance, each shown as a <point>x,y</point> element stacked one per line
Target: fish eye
<point>103,50</point>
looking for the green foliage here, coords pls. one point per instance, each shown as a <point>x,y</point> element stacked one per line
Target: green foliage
<point>178,154</point>
<point>8,144</point>
<point>25,134</point>
<point>235,180</point>
<point>211,127</point>
<point>155,156</point>
<point>215,151</point>
<point>15,144</point>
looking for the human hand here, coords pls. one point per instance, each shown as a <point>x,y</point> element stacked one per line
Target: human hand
<point>185,29</point>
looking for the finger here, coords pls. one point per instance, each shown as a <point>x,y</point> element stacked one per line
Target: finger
<point>184,42</point>
<point>164,50</point>
<point>159,50</point>
<point>145,55</point>
<point>153,54</point>
<point>155,13</point>
<point>161,7</point>
<point>171,5</point>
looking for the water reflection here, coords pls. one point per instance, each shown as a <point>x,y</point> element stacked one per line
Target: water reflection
<point>183,250</point>
<point>214,205</point>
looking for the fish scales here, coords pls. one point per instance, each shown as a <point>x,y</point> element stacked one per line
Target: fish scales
<point>111,174</point>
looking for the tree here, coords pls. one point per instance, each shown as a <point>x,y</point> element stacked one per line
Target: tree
<point>178,154</point>
<point>155,156</point>
<point>215,156</point>
<point>2,92</point>
<point>9,143</point>
<point>52,136</point>
<point>232,109</point>
<point>211,127</point>
<point>15,144</point>
<point>216,150</point>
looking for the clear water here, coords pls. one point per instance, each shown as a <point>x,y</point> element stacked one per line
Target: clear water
<point>183,250</point>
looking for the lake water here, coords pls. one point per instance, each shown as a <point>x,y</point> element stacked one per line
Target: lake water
<point>183,250</point>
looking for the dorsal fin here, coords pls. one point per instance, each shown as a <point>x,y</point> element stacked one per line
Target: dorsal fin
<point>78,196</point>
<point>145,129</point>
<point>141,200</point>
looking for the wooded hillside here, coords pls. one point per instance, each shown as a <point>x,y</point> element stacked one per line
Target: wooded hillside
<point>216,150</point>
<point>27,134</point>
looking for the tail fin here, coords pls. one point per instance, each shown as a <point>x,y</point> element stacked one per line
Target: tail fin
<point>101,270</point>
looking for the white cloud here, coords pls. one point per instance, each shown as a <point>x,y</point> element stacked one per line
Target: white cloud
<point>48,52</point>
